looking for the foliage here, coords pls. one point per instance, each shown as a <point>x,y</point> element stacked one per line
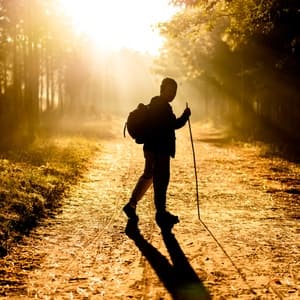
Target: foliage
<point>33,180</point>
<point>245,18</point>
<point>248,49</point>
<point>239,21</point>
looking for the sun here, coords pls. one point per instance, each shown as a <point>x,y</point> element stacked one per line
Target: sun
<point>113,25</point>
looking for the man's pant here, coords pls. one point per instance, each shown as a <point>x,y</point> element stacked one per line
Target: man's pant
<point>157,171</point>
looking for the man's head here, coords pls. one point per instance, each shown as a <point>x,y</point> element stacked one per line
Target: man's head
<point>168,89</point>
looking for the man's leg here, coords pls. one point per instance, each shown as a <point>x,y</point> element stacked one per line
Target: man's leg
<point>144,181</point>
<point>161,178</point>
<point>141,187</point>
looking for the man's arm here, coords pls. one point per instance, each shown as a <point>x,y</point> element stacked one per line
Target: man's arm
<point>180,122</point>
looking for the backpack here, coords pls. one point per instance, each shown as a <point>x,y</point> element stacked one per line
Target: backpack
<point>137,123</point>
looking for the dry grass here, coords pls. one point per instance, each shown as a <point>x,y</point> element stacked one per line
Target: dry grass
<point>33,181</point>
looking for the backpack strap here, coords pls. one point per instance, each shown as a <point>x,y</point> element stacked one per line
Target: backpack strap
<point>124,130</point>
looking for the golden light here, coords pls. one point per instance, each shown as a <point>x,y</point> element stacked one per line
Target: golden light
<point>113,25</point>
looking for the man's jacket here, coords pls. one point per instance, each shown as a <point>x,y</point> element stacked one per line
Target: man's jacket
<point>162,125</point>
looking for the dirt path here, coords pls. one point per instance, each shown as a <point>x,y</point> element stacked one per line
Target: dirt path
<point>249,202</point>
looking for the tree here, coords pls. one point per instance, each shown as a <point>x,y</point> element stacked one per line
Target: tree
<point>32,48</point>
<point>244,47</point>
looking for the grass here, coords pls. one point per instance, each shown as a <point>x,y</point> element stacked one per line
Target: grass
<point>34,180</point>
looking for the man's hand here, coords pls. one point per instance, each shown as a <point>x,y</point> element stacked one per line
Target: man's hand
<point>187,112</point>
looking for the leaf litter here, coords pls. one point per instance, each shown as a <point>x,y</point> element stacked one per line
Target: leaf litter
<point>248,200</point>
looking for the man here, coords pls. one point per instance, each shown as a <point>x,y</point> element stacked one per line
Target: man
<point>158,148</point>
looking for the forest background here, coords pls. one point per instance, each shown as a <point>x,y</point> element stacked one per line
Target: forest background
<point>237,64</point>
<point>235,60</point>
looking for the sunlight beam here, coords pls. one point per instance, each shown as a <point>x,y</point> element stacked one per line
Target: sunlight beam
<point>113,25</point>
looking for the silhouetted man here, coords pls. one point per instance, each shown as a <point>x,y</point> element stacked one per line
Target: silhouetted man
<point>158,148</point>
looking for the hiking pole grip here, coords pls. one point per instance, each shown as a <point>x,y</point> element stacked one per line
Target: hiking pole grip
<point>195,166</point>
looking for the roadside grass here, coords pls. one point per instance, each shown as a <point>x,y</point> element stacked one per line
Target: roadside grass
<point>34,180</point>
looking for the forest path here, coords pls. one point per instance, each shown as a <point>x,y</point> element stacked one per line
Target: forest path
<point>250,202</point>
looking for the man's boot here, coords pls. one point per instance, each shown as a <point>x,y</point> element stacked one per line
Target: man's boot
<point>129,210</point>
<point>165,220</point>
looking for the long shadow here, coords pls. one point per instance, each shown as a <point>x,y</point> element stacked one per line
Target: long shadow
<point>179,279</point>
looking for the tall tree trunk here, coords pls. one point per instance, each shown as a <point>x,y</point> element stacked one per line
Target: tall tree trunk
<point>31,72</point>
<point>60,81</point>
<point>15,94</point>
<point>52,83</point>
<point>47,74</point>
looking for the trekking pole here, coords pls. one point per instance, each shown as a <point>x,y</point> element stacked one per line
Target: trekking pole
<point>195,167</point>
<point>202,222</point>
